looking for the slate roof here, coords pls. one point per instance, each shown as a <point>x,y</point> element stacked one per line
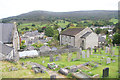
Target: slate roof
<point>72,31</point>
<point>7,29</point>
<point>86,34</point>
<point>4,49</point>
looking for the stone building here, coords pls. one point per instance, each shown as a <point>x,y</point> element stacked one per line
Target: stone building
<point>79,38</point>
<point>9,40</point>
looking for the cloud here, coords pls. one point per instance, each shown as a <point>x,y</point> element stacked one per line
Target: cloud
<point>16,7</point>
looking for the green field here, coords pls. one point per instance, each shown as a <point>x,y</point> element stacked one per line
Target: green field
<point>63,63</point>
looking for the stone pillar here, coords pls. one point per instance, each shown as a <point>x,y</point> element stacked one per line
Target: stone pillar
<point>60,40</point>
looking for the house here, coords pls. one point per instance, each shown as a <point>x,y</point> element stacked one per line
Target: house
<point>9,41</point>
<point>79,38</point>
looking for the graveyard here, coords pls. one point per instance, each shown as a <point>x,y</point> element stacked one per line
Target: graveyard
<point>92,64</point>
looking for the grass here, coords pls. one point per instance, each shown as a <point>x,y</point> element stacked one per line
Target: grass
<point>25,73</point>
<point>64,63</point>
<point>21,72</point>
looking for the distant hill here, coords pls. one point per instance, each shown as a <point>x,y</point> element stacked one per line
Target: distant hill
<point>75,15</point>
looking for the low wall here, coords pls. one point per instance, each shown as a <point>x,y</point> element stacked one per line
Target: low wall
<point>59,51</point>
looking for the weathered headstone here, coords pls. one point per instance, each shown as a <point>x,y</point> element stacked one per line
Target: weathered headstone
<point>88,54</point>
<point>106,50</point>
<point>83,54</point>
<point>80,51</point>
<point>69,57</point>
<point>78,55</point>
<point>95,49</point>
<point>91,51</point>
<point>51,58</point>
<point>113,52</point>
<point>57,58</point>
<point>113,61</point>
<point>108,60</point>
<point>43,61</point>
<point>99,50</point>
<point>53,76</point>
<point>110,50</point>
<point>22,64</point>
<point>60,57</point>
<point>105,72</point>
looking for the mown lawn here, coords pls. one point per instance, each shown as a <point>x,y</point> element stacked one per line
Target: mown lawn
<point>113,67</point>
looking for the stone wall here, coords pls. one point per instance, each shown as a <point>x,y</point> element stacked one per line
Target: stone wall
<point>91,40</point>
<point>60,51</point>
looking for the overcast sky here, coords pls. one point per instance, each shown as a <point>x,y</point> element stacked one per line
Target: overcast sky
<point>15,7</point>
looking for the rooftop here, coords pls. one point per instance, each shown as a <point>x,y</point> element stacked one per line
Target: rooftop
<point>72,31</point>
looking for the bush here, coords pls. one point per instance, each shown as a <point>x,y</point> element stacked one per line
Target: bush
<point>49,32</point>
<point>36,45</point>
<point>23,46</point>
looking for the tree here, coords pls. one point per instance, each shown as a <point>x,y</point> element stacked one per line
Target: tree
<point>40,30</point>
<point>33,24</point>
<point>98,31</point>
<point>49,32</point>
<point>116,39</point>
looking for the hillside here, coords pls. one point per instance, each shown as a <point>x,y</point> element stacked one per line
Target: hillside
<point>73,16</point>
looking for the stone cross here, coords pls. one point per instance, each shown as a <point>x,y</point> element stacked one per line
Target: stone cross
<point>83,54</point>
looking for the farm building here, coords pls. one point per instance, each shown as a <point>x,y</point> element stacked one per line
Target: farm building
<point>79,38</point>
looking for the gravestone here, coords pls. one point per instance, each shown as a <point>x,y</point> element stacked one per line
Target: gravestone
<point>113,52</point>
<point>69,57</point>
<point>51,58</point>
<point>57,59</point>
<point>108,60</point>
<point>110,50</point>
<point>113,61</point>
<point>95,49</point>
<point>53,77</point>
<point>88,54</point>
<point>80,51</point>
<point>83,54</point>
<point>91,51</point>
<point>74,59</point>
<point>105,72</point>
<point>106,50</point>
<point>99,50</point>
<point>43,61</point>
<point>60,57</point>
<point>22,64</point>
<point>78,55</point>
